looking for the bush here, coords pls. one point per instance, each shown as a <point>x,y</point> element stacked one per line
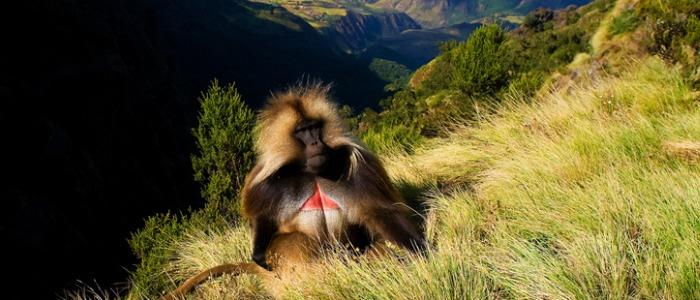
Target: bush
<point>675,33</point>
<point>527,83</point>
<point>225,155</point>
<point>225,147</point>
<point>438,75</point>
<point>150,245</point>
<point>538,18</point>
<point>481,64</point>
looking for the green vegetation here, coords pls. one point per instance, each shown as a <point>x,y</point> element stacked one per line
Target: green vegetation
<point>480,64</point>
<point>471,76</point>
<point>151,245</point>
<point>224,144</point>
<point>392,138</point>
<point>625,22</point>
<point>396,75</point>
<point>225,155</point>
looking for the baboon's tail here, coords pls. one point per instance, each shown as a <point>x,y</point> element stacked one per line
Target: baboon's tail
<point>233,269</point>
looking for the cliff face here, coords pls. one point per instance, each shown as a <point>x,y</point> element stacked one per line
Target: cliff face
<point>416,47</point>
<point>355,31</point>
<point>394,36</point>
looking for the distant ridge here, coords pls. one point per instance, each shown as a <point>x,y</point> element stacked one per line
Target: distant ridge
<point>439,13</point>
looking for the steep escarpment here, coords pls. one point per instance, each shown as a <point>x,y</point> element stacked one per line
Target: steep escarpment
<point>394,36</point>
<point>356,31</point>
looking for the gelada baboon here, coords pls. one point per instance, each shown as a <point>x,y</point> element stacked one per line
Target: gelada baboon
<point>313,185</point>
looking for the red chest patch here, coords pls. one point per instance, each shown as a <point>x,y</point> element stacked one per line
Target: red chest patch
<point>319,200</point>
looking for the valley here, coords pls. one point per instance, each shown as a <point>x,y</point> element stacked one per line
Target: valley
<point>406,32</point>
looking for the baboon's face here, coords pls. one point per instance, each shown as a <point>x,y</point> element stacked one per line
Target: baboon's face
<point>310,134</point>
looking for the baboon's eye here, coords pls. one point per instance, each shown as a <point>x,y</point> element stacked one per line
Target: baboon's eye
<point>307,125</point>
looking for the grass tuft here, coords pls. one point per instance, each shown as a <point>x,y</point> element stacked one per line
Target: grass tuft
<point>625,22</point>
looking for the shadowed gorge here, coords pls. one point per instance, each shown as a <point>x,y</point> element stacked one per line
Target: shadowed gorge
<point>98,98</point>
<point>97,136</point>
<point>258,46</point>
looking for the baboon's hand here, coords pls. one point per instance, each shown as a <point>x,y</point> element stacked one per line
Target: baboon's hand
<point>260,260</point>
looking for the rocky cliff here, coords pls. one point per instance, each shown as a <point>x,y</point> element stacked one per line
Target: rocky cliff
<point>355,32</point>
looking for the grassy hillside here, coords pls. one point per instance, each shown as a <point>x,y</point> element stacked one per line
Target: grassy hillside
<point>491,65</point>
<point>588,193</point>
<point>587,187</point>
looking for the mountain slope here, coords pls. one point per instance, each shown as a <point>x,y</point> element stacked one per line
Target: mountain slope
<point>393,36</point>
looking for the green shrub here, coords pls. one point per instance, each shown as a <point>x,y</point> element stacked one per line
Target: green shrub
<point>439,76</point>
<point>527,83</point>
<point>535,55</point>
<point>150,245</point>
<point>693,31</point>
<point>225,154</point>
<point>481,64</point>
<point>538,19</point>
<point>225,147</point>
<point>675,33</point>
